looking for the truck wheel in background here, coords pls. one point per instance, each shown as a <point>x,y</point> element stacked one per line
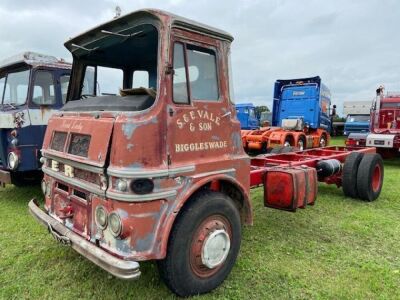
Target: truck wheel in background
<point>370,177</point>
<point>349,174</point>
<point>289,141</point>
<point>301,143</point>
<point>203,245</point>
<point>323,140</point>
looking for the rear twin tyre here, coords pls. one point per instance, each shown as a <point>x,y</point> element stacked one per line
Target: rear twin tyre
<point>203,245</point>
<point>363,176</point>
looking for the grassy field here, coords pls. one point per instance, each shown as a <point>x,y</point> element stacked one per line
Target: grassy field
<point>339,249</point>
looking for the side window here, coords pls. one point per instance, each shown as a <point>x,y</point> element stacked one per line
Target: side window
<point>202,73</point>
<point>64,83</point>
<point>43,88</point>
<point>109,81</point>
<point>140,79</point>
<point>252,114</point>
<point>180,91</point>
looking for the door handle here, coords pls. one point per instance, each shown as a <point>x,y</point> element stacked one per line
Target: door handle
<point>226,114</point>
<point>171,112</point>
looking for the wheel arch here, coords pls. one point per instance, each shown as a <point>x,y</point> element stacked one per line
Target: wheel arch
<point>225,184</point>
<point>289,136</point>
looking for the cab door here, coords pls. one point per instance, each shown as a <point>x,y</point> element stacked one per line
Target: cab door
<point>199,113</point>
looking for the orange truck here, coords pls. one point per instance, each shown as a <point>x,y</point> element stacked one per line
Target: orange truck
<point>300,118</point>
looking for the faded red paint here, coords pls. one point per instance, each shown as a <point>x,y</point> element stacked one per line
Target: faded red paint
<point>167,145</point>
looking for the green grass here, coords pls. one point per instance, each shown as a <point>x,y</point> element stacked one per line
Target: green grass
<point>339,249</point>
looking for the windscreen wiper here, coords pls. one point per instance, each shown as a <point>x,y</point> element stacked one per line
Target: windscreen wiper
<point>121,34</point>
<point>83,48</point>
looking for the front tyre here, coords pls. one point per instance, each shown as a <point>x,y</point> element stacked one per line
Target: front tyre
<point>203,245</point>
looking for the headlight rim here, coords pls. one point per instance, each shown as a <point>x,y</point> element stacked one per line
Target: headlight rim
<point>16,160</point>
<point>106,216</point>
<point>115,234</point>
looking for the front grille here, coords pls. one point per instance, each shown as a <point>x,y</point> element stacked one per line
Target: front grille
<point>79,145</point>
<point>58,141</point>
<point>85,175</point>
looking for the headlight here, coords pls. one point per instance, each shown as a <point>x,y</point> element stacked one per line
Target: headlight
<point>115,224</point>
<point>101,217</point>
<point>13,160</point>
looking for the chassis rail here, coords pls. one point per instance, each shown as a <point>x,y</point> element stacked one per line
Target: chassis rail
<point>309,158</point>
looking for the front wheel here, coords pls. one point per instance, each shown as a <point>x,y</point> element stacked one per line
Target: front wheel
<point>203,245</point>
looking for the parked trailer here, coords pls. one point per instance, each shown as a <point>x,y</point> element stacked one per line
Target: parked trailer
<point>384,132</point>
<point>299,117</point>
<point>118,197</point>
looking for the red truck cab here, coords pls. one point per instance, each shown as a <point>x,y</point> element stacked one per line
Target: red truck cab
<point>384,132</point>
<point>145,161</point>
<point>121,166</point>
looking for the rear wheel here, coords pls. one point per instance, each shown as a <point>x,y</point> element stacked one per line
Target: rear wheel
<point>203,245</point>
<point>323,141</point>
<point>349,174</point>
<point>370,177</point>
<point>288,141</point>
<point>301,143</point>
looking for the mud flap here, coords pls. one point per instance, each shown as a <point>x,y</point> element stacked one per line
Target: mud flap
<point>290,188</point>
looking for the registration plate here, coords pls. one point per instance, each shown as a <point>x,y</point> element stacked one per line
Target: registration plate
<point>379,142</point>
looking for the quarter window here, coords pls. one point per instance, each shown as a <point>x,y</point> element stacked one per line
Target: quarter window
<point>43,89</point>
<point>140,79</point>
<point>180,91</point>
<point>64,83</point>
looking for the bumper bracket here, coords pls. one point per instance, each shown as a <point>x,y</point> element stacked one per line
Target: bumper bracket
<point>120,268</point>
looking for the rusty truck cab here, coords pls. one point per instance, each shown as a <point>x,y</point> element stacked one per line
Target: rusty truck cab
<point>149,129</point>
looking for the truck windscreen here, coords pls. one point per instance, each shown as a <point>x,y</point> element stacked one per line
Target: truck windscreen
<point>14,88</point>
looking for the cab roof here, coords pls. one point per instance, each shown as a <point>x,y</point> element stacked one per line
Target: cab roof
<point>122,24</point>
<point>35,60</point>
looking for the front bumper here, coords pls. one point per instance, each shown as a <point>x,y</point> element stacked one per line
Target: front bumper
<point>118,267</point>
<point>5,177</point>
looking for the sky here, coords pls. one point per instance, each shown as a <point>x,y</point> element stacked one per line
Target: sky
<point>352,45</point>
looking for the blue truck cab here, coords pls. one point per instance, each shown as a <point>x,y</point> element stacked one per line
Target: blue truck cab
<point>356,124</point>
<point>246,113</point>
<point>357,116</point>
<point>306,99</point>
<point>32,87</point>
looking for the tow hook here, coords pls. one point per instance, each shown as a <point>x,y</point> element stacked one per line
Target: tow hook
<point>59,238</point>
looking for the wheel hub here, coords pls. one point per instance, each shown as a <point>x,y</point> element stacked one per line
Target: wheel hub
<point>215,248</point>
<point>210,246</point>
<point>322,142</point>
<point>301,145</point>
<point>286,144</point>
